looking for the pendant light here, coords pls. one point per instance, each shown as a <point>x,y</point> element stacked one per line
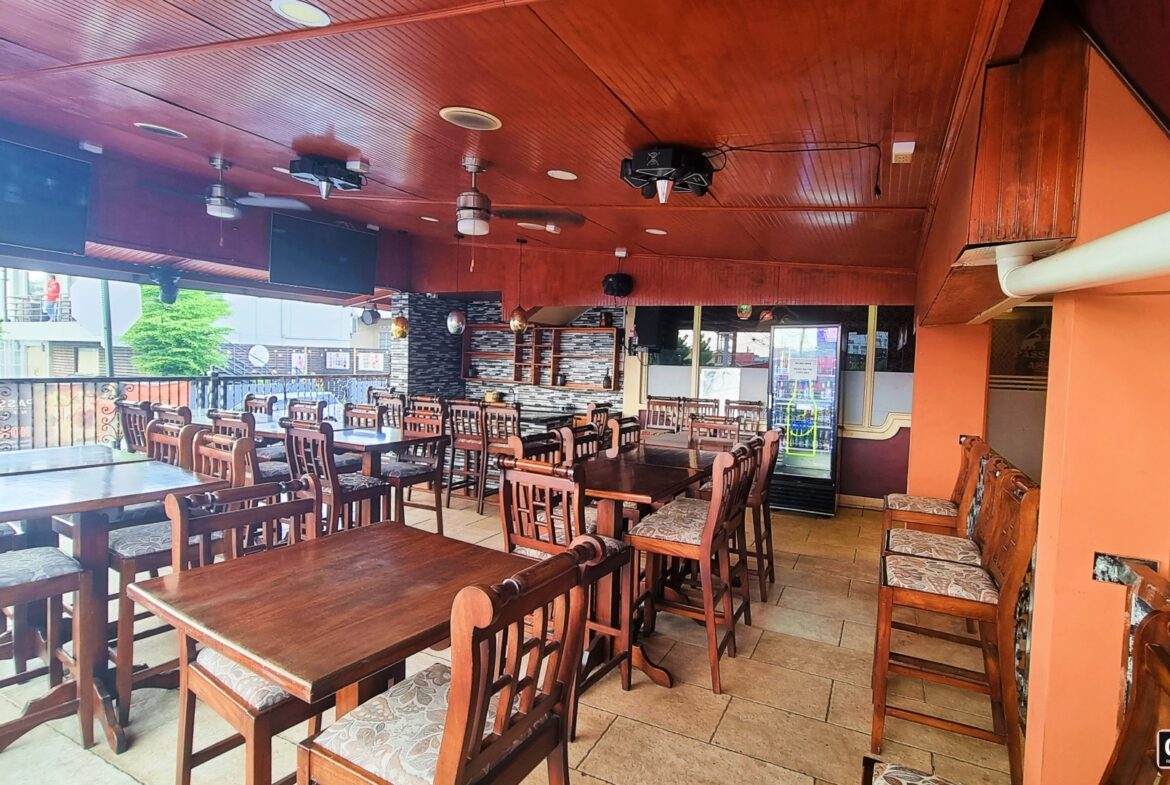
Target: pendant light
<point>457,319</point>
<point>399,327</point>
<point>743,312</point>
<point>518,319</point>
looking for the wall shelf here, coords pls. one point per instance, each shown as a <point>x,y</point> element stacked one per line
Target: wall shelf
<point>538,349</point>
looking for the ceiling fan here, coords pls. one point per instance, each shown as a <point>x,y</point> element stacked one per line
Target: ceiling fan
<point>220,203</point>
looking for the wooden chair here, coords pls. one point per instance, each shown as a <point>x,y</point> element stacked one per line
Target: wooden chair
<point>176,415</point>
<point>352,499</point>
<point>624,433</point>
<point>985,594</point>
<point>698,407</point>
<point>499,708</point>
<point>425,414</point>
<point>259,404</point>
<point>360,415</point>
<point>44,575</point>
<point>546,447</point>
<point>255,708</point>
<point>663,414</point>
<point>376,395</point>
<point>703,532</point>
<point>395,406</point>
<point>753,415</point>
<point>927,513</point>
<point>599,415</point>
<point>501,421</point>
<point>711,432</point>
<point>468,448</point>
<point>300,411</point>
<point>133,417</point>
<point>581,442</point>
<point>230,423</point>
<point>242,425</point>
<point>419,464</point>
<point>542,508</point>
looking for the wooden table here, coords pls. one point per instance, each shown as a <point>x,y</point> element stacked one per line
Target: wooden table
<point>679,438</point>
<point>51,459</point>
<point>86,494</point>
<point>657,455</point>
<point>348,606</point>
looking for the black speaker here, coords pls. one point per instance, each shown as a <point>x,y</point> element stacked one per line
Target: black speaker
<point>617,285</point>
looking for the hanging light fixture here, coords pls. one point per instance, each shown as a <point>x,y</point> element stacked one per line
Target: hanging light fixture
<point>767,315</point>
<point>456,322</point>
<point>473,210</point>
<point>399,327</point>
<point>743,312</point>
<point>518,319</point>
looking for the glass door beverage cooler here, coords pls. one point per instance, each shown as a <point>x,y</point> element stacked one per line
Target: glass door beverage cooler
<point>804,403</point>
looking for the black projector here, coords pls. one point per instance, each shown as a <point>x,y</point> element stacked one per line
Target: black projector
<point>317,169</point>
<point>656,171</point>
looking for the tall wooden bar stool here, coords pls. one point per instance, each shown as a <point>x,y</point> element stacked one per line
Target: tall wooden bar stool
<point>662,413</point>
<point>468,448</point>
<point>421,463</point>
<point>542,508</point>
<point>255,708</point>
<point>133,417</point>
<point>927,513</point>
<point>425,414</point>
<point>624,433</point>
<point>703,532</point>
<point>495,713</point>
<point>394,405</point>
<point>501,421</point>
<point>985,594</point>
<point>45,574</point>
<point>352,499</point>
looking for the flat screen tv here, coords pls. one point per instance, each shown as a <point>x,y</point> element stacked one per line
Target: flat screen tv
<point>44,199</point>
<point>318,255</point>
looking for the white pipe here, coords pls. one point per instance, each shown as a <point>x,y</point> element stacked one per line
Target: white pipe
<point>1130,254</point>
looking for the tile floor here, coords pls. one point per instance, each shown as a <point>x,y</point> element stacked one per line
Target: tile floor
<point>795,709</point>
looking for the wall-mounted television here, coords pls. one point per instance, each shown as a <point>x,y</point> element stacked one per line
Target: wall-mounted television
<point>318,255</point>
<point>44,199</point>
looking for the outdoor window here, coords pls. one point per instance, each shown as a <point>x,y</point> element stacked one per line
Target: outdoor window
<point>893,379</point>
<point>672,331</point>
<point>733,358</point>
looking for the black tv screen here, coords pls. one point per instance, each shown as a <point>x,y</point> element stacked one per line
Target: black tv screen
<point>318,255</point>
<point>44,199</point>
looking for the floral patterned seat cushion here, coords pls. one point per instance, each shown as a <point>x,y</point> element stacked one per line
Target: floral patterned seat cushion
<point>346,462</point>
<point>948,579</point>
<point>30,565</point>
<point>612,546</point>
<point>147,512</point>
<point>927,505</point>
<point>273,471</point>
<point>680,521</point>
<point>933,546</point>
<point>138,541</point>
<point>359,482</point>
<point>274,452</point>
<point>404,469</point>
<point>893,774</point>
<point>257,692</point>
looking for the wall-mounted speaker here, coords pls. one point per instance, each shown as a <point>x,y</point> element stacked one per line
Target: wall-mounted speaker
<point>617,285</point>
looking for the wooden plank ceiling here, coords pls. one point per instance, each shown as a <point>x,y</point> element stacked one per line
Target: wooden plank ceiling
<point>577,84</point>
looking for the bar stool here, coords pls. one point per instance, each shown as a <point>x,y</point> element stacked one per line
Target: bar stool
<point>501,421</point>
<point>468,448</point>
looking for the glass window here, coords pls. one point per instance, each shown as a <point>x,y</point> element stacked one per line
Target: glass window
<point>673,331</point>
<point>893,378</point>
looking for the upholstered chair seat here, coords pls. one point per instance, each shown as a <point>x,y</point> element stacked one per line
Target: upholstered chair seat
<point>893,774</point>
<point>34,564</point>
<point>947,579</point>
<point>273,452</point>
<point>678,521</point>
<point>256,691</point>
<point>927,505</point>
<point>910,542</point>
<point>273,471</point>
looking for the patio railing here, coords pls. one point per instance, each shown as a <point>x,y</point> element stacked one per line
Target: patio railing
<point>63,412</point>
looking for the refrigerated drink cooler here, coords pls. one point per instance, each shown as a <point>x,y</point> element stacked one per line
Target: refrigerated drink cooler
<point>804,401</point>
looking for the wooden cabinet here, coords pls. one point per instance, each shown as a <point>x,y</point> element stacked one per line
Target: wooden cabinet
<point>586,356</point>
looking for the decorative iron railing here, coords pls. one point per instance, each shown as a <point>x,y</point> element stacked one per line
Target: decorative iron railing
<point>62,412</point>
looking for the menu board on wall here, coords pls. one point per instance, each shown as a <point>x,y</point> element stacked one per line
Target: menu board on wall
<point>371,362</point>
<point>337,361</point>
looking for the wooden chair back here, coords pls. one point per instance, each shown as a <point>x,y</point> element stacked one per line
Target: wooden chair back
<point>624,433</point>
<point>309,451</point>
<point>179,415</point>
<point>753,416</point>
<point>980,499</point>
<point>237,512</point>
<point>542,505</point>
<point>1015,511</point>
<point>762,485</point>
<point>581,442</point>
<point>1134,758</point>
<point>259,404</point>
<point>376,395</point>
<point>598,414</point>
<point>394,405</point>
<point>305,411</point>
<point>747,459</point>
<point>545,447</point>
<point>973,449</point>
<point>466,418</point>
<point>133,417</point>
<point>361,415</point>
<point>235,424</point>
<point>501,421</point>
<point>222,455</point>
<point>663,414</point>
<point>726,492</point>
<point>425,414</point>
<point>699,407</point>
<point>515,651</point>
<point>971,500</point>
<point>170,442</point>
<point>712,432</point>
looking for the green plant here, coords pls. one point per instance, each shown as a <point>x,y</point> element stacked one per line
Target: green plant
<point>180,339</point>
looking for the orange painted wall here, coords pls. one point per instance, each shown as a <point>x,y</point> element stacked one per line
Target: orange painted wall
<point>1105,457</point>
<point>950,399</point>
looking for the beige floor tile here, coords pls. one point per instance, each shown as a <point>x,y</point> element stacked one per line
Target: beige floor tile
<point>833,662</point>
<point>632,753</point>
<point>684,708</point>
<point>796,622</point>
<point>848,536</point>
<point>45,756</point>
<point>539,776</point>
<point>954,698</point>
<point>812,581</point>
<point>864,590</point>
<point>844,553</point>
<point>814,747</point>
<point>852,707</point>
<point>852,609</point>
<point>841,568</point>
<point>591,726</point>
<point>694,633</point>
<point>781,688</point>
<point>968,774</point>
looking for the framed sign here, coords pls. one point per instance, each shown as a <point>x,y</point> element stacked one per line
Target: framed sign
<point>300,363</point>
<point>371,362</point>
<point>337,361</point>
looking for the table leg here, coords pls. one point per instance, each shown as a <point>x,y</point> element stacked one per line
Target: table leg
<point>90,619</point>
<point>611,524</point>
<point>349,698</point>
<point>371,463</point>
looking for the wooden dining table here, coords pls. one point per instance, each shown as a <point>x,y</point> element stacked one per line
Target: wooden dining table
<point>52,459</point>
<point>76,503</point>
<point>347,607</point>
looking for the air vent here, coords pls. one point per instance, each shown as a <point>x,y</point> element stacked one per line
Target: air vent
<point>471,119</point>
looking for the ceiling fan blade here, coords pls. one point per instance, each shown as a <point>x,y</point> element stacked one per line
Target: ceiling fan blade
<point>540,215</point>
<point>174,193</point>
<point>273,202</point>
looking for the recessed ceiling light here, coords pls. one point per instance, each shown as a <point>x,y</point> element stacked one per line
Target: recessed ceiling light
<point>301,13</point>
<point>656,231</point>
<point>281,169</point>
<point>161,130</point>
<point>471,119</point>
<point>561,174</point>
<point>429,219</point>
<point>530,225</point>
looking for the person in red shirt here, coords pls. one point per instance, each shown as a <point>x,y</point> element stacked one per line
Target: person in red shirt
<point>52,295</point>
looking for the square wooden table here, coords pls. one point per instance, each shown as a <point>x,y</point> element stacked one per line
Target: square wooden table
<point>87,494</point>
<point>337,611</point>
<point>52,459</point>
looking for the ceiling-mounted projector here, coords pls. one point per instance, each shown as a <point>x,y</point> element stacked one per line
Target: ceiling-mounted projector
<point>326,174</point>
<point>656,171</point>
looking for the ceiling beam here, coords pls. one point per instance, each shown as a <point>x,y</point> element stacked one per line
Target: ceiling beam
<point>1017,28</point>
<point>649,206</point>
<point>356,26</point>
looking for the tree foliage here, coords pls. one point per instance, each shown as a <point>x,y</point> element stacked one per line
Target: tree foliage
<point>180,339</point>
<point>682,355</point>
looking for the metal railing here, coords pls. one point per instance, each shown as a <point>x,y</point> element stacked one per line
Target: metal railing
<point>62,412</point>
<point>32,309</point>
